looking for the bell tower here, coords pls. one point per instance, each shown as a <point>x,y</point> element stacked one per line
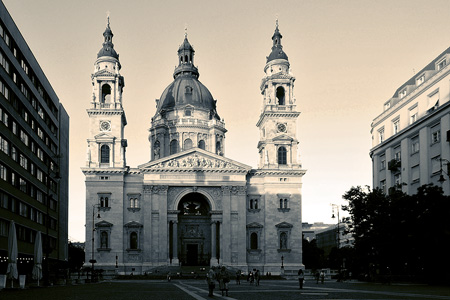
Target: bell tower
<point>278,120</point>
<point>106,143</point>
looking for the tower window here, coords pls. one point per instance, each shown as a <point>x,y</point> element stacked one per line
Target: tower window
<point>218,148</point>
<point>173,146</point>
<point>282,157</point>
<point>187,144</point>
<point>133,240</point>
<point>254,241</point>
<point>201,144</point>
<point>106,93</point>
<point>280,95</point>
<point>104,154</point>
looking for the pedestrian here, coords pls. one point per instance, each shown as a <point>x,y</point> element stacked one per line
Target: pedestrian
<point>257,277</point>
<point>250,277</point>
<point>322,276</point>
<point>317,275</point>
<point>301,278</point>
<point>210,279</point>
<point>238,277</point>
<point>223,279</point>
<point>169,277</point>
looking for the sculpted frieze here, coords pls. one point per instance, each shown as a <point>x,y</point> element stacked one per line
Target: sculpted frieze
<point>195,161</point>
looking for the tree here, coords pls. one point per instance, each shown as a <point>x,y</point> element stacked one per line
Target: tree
<point>399,233</point>
<point>313,256</point>
<point>76,257</point>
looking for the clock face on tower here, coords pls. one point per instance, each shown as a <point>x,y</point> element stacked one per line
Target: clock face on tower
<point>281,127</point>
<point>105,125</point>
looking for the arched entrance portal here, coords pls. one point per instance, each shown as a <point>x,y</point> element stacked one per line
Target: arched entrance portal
<point>194,234</point>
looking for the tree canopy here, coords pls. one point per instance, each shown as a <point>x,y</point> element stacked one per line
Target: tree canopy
<point>398,234</point>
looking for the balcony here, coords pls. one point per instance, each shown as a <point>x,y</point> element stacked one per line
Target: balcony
<point>394,165</point>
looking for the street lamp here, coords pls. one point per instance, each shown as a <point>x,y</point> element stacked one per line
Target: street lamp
<point>447,163</point>
<point>93,261</point>
<point>335,206</point>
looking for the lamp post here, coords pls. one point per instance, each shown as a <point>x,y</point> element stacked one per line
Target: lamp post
<point>335,206</point>
<point>441,177</point>
<point>93,261</point>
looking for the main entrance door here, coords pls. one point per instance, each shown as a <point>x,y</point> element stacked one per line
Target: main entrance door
<point>194,230</point>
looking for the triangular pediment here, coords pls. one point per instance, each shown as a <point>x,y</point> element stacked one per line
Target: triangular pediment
<point>254,225</point>
<point>283,137</point>
<point>103,224</point>
<point>194,159</point>
<point>104,72</point>
<point>133,224</point>
<point>284,225</point>
<point>104,136</point>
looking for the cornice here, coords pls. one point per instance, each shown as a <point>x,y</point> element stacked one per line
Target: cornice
<point>272,172</point>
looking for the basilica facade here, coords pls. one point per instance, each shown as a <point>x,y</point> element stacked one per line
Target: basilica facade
<point>190,204</point>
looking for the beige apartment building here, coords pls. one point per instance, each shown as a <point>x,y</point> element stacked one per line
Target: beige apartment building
<point>410,138</point>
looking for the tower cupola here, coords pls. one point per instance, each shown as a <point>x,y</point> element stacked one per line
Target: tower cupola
<point>186,60</point>
<point>108,46</point>
<point>277,48</point>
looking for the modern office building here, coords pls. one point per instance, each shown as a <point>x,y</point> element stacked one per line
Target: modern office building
<point>34,156</point>
<point>189,204</point>
<point>410,138</point>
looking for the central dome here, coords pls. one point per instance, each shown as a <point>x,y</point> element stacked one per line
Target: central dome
<point>186,89</point>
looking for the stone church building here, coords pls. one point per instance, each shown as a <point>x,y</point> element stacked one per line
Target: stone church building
<point>190,204</point>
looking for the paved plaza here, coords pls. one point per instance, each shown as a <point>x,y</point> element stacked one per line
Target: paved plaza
<point>197,289</point>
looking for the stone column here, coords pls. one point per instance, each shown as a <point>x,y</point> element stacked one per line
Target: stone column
<point>175,243</point>
<point>225,228</point>
<point>213,259</point>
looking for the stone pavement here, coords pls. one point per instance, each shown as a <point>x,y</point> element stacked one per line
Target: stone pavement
<point>197,289</point>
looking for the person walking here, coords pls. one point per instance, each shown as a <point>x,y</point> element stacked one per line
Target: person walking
<point>322,276</point>
<point>224,279</point>
<point>301,278</point>
<point>210,279</point>
<point>238,277</point>
<point>257,277</point>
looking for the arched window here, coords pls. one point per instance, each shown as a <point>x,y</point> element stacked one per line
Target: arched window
<point>201,144</point>
<point>106,93</point>
<point>185,58</point>
<point>156,150</point>
<point>104,202</point>
<point>104,239</point>
<point>280,95</point>
<point>285,203</point>
<point>219,148</point>
<point>282,160</point>
<point>173,146</point>
<point>281,203</point>
<point>256,203</point>
<point>104,154</point>
<point>187,144</point>
<point>283,240</point>
<point>133,240</point>
<point>254,240</point>
<point>251,203</point>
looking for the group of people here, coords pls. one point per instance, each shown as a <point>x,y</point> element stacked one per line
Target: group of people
<point>221,276</point>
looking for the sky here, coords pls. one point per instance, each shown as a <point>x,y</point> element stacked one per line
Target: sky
<point>348,58</point>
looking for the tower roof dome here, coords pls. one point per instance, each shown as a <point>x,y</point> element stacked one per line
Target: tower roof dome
<point>277,48</point>
<point>108,46</point>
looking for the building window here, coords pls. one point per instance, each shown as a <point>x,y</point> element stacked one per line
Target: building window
<point>441,64</point>
<point>383,186</point>
<point>104,154</point>
<point>433,101</point>
<point>173,146</point>
<point>104,239</point>
<point>3,172</point>
<point>436,164</point>
<point>253,241</point>
<point>218,148</point>
<point>398,179</point>
<point>381,135</point>
<point>282,157</point>
<point>413,114</point>
<point>283,240</point>
<point>403,94</point>
<point>435,134</point>
<point>283,202</point>
<point>387,105</point>
<point>414,145</point>
<point>4,145</point>
<point>104,200</point>
<point>415,173</point>
<point>420,80</point>
<point>397,153</point>
<point>280,95</point>
<point>133,240</point>
<point>133,200</point>
<point>201,144</point>
<point>396,126</point>
<point>382,162</point>
<point>253,204</point>
<point>187,144</point>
